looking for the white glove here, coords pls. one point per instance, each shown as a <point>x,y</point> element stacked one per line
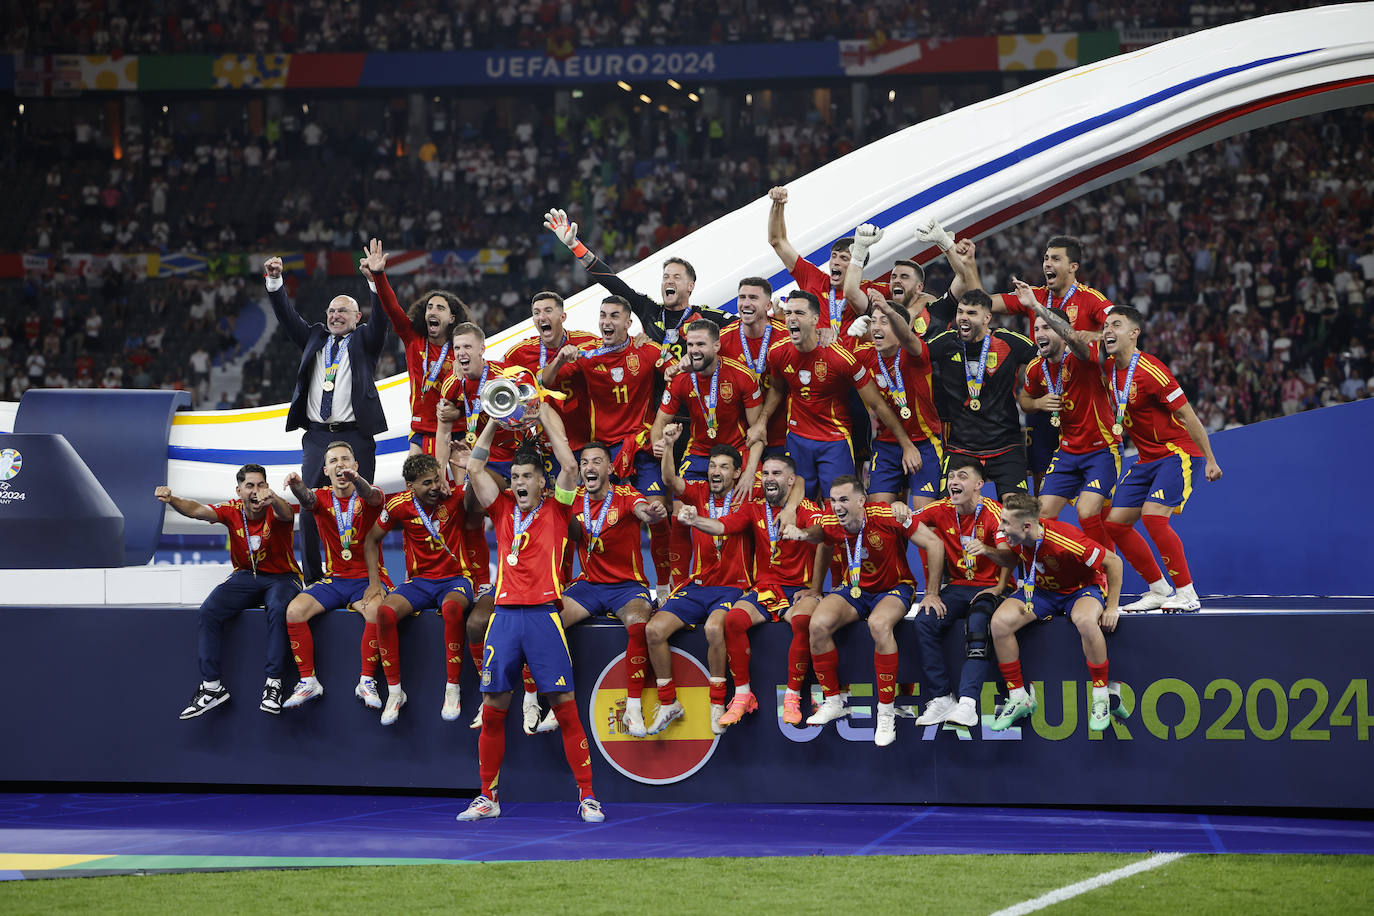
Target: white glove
<point>556,221</point>
<point>930,231</point>
<point>860,326</point>
<point>865,237</point>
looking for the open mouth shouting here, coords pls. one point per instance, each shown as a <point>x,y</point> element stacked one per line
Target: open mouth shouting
<point>794,331</point>
<point>1109,342</point>
<point>1044,342</point>
<point>718,482</point>
<point>965,328</point>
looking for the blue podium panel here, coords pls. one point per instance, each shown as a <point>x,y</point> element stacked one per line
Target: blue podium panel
<point>122,436</point>
<point>53,512</point>
<point>1248,709</point>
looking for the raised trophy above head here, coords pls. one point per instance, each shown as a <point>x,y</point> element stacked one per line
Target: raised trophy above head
<point>512,402</point>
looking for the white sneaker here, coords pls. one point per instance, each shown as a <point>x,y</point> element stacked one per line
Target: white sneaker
<point>634,722</point>
<point>1184,601</point>
<point>964,713</point>
<point>936,710</point>
<point>394,701</point>
<point>886,732</point>
<point>476,722</point>
<point>547,724</point>
<point>1150,601</point>
<point>453,704</point>
<point>717,710</point>
<point>481,807</point>
<point>666,716</point>
<point>589,809</point>
<point>829,710</point>
<point>367,692</point>
<point>306,689</point>
<point>530,707</point>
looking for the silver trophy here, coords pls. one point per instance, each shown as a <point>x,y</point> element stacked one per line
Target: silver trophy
<point>513,403</point>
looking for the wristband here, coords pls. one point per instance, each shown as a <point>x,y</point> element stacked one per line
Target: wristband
<point>578,249</point>
<point>273,283</point>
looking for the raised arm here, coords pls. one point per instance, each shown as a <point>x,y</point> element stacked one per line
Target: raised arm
<point>865,237</point>
<point>667,461</point>
<point>557,222</point>
<point>286,313</point>
<point>280,507</point>
<point>777,230</point>
<point>187,507</point>
<point>304,495</point>
<point>1076,341</point>
<point>374,258</point>
<point>482,484</point>
<point>558,442</point>
<point>908,338</point>
<point>375,329</point>
<point>366,491</point>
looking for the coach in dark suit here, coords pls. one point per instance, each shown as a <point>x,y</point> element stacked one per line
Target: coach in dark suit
<point>335,399</point>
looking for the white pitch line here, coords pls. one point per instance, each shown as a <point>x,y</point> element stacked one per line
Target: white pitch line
<point>1090,884</point>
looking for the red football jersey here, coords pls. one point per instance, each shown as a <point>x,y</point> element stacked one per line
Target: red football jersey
<point>1086,307</point>
<point>531,354</point>
<point>426,557</point>
<point>777,563</point>
<point>616,555</point>
<point>1153,397</point>
<point>881,545</point>
<point>914,374</point>
<point>427,363</point>
<point>1086,417</point>
<point>736,391</point>
<point>1066,560</point>
<point>477,555</point>
<point>954,531</point>
<point>327,521</point>
<point>812,279</point>
<point>270,539</point>
<point>536,577</point>
<point>722,563</point>
<point>818,385</point>
<point>619,387</point>
<point>753,355</point>
<point>463,392</point>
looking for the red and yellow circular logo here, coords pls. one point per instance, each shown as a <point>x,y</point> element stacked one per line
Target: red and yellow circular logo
<point>674,754</point>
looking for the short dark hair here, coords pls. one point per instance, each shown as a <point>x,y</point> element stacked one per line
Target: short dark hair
<point>1073,248</point>
<point>417,466</point>
<point>851,480</point>
<point>416,312</point>
<point>546,294</point>
<point>965,461</point>
<point>810,299</point>
<point>845,244</point>
<point>729,451</point>
<point>1130,313</point>
<point>1021,504</point>
<point>621,301</point>
<point>976,297</point>
<point>705,324</point>
<point>250,469</point>
<point>691,271</point>
<point>785,459</point>
<point>597,445</point>
<point>527,456</point>
<point>761,282</point>
<point>339,443</point>
<point>900,310</point>
<point>920,271</point>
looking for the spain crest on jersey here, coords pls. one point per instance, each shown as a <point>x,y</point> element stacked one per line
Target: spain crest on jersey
<point>821,371</point>
<point>727,391</point>
<point>632,363</point>
<point>875,539</point>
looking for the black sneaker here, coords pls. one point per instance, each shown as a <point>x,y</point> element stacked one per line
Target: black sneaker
<point>206,699</point>
<point>271,698</point>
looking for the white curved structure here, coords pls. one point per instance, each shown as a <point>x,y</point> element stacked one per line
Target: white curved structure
<point>978,169</point>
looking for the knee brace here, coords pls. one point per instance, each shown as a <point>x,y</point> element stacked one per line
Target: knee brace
<point>977,625</point>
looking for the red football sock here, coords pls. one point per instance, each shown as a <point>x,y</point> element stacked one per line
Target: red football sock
<point>885,664</point>
<point>799,653</point>
<point>475,650</point>
<point>530,685</point>
<point>1095,527</point>
<point>1135,550</point>
<point>454,634</point>
<point>667,693</point>
<point>716,691</point>
<point>1170,549</point>
<point>491,748</point>
<point>1099,674</point>
<point>737,624</point>
<point>574,745</point>
<point>679,553</point>
<point>636,658</point>
<point>1011,673</point>
<point>388,643</point>
<point>302,647</point>
<point>659,548</point>
<point>827,666</point>
<point>368,648</point>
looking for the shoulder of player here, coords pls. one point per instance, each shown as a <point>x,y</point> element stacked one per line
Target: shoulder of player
<point>878,510</point>
<point>1089,292</point>
<point>944,337</point>
<point>1154,367</point>
<point>623,490</point>
<point>579,338</point>
<point>1062,535</point>
<point>839,354</point>
<point>735,366</point>
<point>1034,364</point>
<point>397,501</point>
<point>932,509</point>
<point>1008,335</point>
<point>521,345</point>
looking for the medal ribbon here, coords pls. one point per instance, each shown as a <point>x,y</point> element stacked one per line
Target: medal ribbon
<point>588,354</point>
<point>774,530</point>
<point>594,529</point>
<point>431,372</point>
<point>967,562</point>
<point>855,557</point>
<point>836,309</point>
<point>1124,394</point>
<point>895,385</point>
<point>544,351</point>
<point>1027,585</point>
<point>717,513</point>
<point>974,378</point>
<point>670,335</point>
<point>336,350</point>
<point>431,526</point>
<point>711,399</point>
<point>344,520</point>
<point>248,538</point>
<point>522,523</point>
<point>756,365</point>
<point>1049,296</point>
<point>472,407</point>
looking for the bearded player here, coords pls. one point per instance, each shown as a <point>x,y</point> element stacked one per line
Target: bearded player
<point>746,341</point>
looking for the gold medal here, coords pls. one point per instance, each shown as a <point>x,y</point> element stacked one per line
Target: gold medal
<point>711,431</point>
<point>1030,608</point>
<point>346,554</point>
<point>975,404</point>
<point>905,412</point>
<point>511,558</point>
<point>855,591</point>
<point>1054,419</point>
<point>328,385</point>
<point>968,573</point>
<point>471,437</point>
<point>1116,429</point>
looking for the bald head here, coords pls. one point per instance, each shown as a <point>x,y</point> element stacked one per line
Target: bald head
<point>343,315</point>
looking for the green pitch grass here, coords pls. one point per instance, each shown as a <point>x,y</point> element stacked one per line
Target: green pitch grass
<point>793,886</point>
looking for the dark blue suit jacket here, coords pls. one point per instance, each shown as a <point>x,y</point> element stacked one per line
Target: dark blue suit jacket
<point>364,351</point>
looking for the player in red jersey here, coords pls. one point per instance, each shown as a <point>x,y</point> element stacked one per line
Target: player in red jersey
<point>431,519</point>
<point>613,581</point>
<point>1150,405</point>
<point>816,380</point>
<point>787,580</point>
<point>1065,384</point>
<point>1065,573</point>
<point>531,535</point>
<point>265,575</point>
<point>878,586</point>
<point>344,512</point>
<point>905,284</point>
<point>969,525</point>
<point>534,353</point>
<point>425,330</point>
<point>746,340</point>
